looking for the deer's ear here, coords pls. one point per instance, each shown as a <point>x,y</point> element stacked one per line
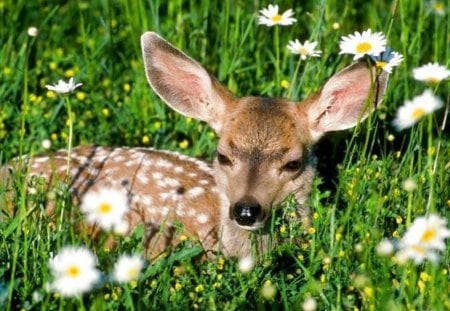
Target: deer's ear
<point>345,99</point>
<point>183,83</point>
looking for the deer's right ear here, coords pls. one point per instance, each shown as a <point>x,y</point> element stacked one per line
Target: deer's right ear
<point>183,83</point>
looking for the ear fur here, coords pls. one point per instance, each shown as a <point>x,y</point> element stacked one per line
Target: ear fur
<point>183,83</point>
<point>345,99</point>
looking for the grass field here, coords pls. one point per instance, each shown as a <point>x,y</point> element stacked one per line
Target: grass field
<point>359,198</point>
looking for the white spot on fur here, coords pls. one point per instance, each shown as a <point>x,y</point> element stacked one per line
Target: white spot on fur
<point>147,200</point>
<point>202,218</point>
<point>118,158</point>
<point>157,175</point>
<point>178,169</point>
<point>172,182</point>
<point>163,163</point>
<point>196,191</point>
<point>204,182</point>
<point>164,211</point>
<point>41,160</point>
<point>143,178</point>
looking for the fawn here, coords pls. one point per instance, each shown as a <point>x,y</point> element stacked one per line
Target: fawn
<point>264,153</point>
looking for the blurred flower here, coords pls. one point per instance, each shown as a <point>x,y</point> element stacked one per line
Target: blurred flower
<point>417,253</point>
<point>270,17</point>
<point>367,43</point>
<point>304,50</point>
<point>74,271</point>
<point>336,26</point>
<point>32,31</point>
<point>106,207</point>
<point>438,7</point>
<point>128,268</point>
<point>387,60</point>
<point>412,111</point>
<point>246,264</point>
<point>64,87</point>
<point>268,290</point>
<point>409,185</point>
<point>385,248</point>
<point>431,73</point>
<point>46,144</point>
<point>309,304</point>
<point>428,231</point>
<point>284,84</point>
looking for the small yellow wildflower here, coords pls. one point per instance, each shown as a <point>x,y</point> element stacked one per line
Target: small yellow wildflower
<point>145,141</point>
<point>283,229</point>
<point>53,66</point>
<point>80,96</point>
<point>183,144</point>
<point>199,288</point>
<point>105,112</point>
<point>7,71</point>
<point>368,291</point>
<point>316,215</point>
<point>178,286</point>
<point>312,230</point>
<point>284,84</point>
<point>127,87</point>
<point>69,73</point>
<point>50,94</point>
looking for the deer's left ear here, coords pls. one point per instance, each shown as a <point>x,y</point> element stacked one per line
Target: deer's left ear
<point>345,99</point>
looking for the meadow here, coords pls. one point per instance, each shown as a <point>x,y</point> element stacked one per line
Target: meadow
<point>374,181</point>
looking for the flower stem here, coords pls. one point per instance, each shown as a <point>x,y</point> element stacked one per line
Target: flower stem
<point>277,56</point>
<point>294,78</point>
<point>69,143</point>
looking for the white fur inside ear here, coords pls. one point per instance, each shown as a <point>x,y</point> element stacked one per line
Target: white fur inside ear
<point>344,100</point>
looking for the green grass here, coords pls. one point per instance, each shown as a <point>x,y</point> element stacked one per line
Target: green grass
<point>364,202</point>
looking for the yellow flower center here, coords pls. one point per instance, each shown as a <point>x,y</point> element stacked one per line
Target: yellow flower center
<point>363,47</point>
<point>73,271</point>
<point>428,235</point>
<point>104,208</point>
<point>438,6</point>
<point>133,273</point>
<point>381,64</point>
<point>418,249</point>
<point>418,113</point>
<point>276,18</point>
<point>303,51</point>
<point>432,80</point>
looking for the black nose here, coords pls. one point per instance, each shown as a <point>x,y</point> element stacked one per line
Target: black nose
<point>246,213</point>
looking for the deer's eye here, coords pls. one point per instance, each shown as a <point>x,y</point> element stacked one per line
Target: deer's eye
<point>293,166</point>
<point>223,159</point>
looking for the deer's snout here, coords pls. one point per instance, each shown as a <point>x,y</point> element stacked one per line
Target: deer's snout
<point>246,212</point>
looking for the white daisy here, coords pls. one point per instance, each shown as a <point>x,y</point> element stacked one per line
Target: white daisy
<point>438,7</point>
<point>310,304</point>
<point>64,87</point>
<point>128,268</point>
<point>431,73</point>
<point>388,60</point>
<point>428,232</point>
<point>270,17</point>
<point>74,271</point>
<point>106,207</point>
<point>246,264</point>
<point>412,111</point>
<point>304,50</point>
<point>385,248</point>
<point>32,31</point>
<point>416,253</point>
<point>367,43</point>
